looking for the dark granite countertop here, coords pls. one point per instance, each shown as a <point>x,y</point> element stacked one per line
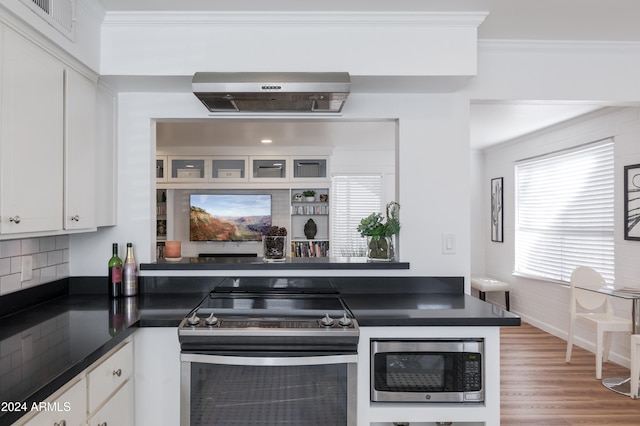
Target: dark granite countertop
<point>418,301</point>
<point>256,263</point>
<point>44,346</point>
<point>429,309</point>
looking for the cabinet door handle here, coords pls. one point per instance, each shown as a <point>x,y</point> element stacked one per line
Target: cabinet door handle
<point>118,373</point>
<point>15,219</point>
<point>60,423</point>
<point>76,218</point>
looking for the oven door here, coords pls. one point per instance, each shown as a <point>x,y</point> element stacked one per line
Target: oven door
<point>268,390</point>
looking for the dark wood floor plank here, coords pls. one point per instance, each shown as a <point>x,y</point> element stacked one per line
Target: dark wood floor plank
<point>538,388</point>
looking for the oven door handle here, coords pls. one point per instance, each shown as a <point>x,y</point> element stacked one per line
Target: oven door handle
<point>269,361</point>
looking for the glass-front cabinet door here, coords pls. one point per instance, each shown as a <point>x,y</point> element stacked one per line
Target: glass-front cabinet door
<point>269,169</point>
<point>310,168</point>
<point>229,169</point>
<point>187,169</point>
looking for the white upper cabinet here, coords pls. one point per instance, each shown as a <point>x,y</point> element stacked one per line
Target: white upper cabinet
<point>80,152</point>
<point>31,133</point>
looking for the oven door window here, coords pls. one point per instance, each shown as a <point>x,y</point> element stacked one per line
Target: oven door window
<point>415,372</point>
<point>268,395</point>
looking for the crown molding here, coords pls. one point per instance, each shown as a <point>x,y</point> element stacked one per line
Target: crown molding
<point>296,19</point>
<point>558,46</point>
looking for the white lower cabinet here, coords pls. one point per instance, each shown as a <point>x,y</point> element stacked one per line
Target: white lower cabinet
<point>69,409</point>
<point>118,410</point>
<point>102,395</point>
<point>107,377</point>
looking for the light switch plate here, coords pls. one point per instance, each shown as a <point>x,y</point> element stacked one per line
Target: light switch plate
<point>448,243</point>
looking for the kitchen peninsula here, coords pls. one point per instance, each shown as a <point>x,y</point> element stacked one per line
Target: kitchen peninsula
<point>385,307</point>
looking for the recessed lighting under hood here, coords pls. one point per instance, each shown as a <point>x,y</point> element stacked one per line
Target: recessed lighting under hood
<point>289,92</point>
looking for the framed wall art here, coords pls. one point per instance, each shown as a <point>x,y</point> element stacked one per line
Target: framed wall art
<point>497,227</point>
<point>632,202</point>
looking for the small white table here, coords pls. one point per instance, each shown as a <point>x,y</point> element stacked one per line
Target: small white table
<point>622,384</point>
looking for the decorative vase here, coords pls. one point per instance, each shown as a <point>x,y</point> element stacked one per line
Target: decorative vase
<point>274,248</point>
<point>310,229</point>
<point>380,249</point>
<point>310,199</point>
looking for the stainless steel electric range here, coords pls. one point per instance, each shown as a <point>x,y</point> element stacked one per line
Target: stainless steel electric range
<point>269,351</point>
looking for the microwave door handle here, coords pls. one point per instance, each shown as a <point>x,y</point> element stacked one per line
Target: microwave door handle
<point>269,361</point>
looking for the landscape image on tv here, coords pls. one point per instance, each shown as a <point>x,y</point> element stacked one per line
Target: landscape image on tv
<point>229,217</point>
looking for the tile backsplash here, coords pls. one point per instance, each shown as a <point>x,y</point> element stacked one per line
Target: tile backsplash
<point>49,259</point>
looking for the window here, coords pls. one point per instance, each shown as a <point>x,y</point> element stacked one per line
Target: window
<point>564,213</point>
<point>354,197</point>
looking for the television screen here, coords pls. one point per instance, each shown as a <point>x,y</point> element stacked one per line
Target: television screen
<point>229,217</point>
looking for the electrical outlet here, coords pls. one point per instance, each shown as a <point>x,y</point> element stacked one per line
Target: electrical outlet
<point>26,272</point>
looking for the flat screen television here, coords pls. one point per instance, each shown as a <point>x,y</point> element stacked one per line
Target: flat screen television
<point>229,217</point>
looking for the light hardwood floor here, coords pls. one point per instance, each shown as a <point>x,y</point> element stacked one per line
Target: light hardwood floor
<point>539,388</point>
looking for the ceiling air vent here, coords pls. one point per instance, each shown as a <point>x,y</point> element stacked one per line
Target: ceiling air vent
<point>57,13</point>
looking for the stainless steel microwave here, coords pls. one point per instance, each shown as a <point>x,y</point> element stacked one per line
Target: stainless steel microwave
<point>436,370</point>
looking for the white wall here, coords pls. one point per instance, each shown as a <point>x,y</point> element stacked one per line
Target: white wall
<point>480,191</point>
<point>594,72</point>
<point>88,16</point>
<point>545,304</point>
<point>362,43</point>
<point>432,143</point>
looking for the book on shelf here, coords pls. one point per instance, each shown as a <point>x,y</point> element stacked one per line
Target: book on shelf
<point>309,209</point>
<point>309,248</point>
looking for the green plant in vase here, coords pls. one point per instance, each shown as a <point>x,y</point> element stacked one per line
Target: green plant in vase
<point>309,195</point>
<point>379,231</point>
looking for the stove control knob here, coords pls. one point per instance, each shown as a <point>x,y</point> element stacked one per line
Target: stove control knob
<point>211,319</point>
<point>345,321</point>
<point>193,319</point>
<point>327,321</point>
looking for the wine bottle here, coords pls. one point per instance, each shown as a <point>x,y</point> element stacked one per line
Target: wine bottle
<point>115,273</point>
<point>130,273</point>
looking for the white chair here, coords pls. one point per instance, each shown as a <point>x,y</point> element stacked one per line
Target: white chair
<point>594,308</point>
<point>635,364</point>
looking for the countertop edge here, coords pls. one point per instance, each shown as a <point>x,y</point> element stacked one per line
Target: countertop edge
<point>441,322</point>
<point>252,263</point>
<point>9,417</point>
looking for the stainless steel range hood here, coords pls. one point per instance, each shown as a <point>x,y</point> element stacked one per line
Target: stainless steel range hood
<point>315,92</point>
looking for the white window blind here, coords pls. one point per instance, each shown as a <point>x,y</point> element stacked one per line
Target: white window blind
<point>354,198</point>
<point>564,213</point>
